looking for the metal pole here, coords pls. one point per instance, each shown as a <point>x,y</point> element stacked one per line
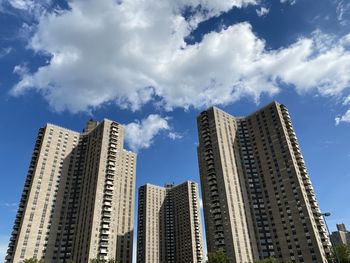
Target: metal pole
<point>329,236</point>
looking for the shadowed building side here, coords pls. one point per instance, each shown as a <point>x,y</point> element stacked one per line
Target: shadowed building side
<point>169,227</point>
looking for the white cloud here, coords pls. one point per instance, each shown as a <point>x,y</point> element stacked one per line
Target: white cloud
<point>4,240</point>
<point>5,51</point>
<point>175,135</point>
<point>26,9</point>
<point>346,100</point>
<point>343,118</point>
<point>9,204</point>
<point>263,11</point>
<point>22,4</point>
<point>291,2</point>
<point>134,53</point>
<point>140,135</point>
<point>342,10</point>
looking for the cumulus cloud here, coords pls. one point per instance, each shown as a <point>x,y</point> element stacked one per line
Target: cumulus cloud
<point>343,118</point>
<point>140,134</point>
<point>134,52</point>
<point>263,11</point>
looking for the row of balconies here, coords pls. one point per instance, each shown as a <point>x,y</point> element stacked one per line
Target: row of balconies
<point>108,192</point>
<point>204,122</point>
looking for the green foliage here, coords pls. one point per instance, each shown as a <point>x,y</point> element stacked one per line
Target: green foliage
<point>33,260</point>
<point>97,260</point>
<point>217,257</point>
<point>267,260</point>
<point>340,254</point>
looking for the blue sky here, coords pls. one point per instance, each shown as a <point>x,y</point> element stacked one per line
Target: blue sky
<point>155,65</point>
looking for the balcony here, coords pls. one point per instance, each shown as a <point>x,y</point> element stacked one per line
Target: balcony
<point>111,168</point>
<point>106,214</point>
<point>213,188</point>
<point>108,197</point>
<point>106,219</point>
<point>109,182</point>
<point>212,182</point>
<point>104,237</point>
<point>217,217</point>
<point>107,209</point>
<point>216,211</point>
<point>107,203</point>
<point>105,232</point>
<point>103,251</point>
<point>111,157</point>
<point>103,244</point>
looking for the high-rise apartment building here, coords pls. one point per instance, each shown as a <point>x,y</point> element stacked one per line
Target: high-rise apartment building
<point>78,198</point>
<point>169,226</point>
<point>341,236</point>
<point>257,195</point>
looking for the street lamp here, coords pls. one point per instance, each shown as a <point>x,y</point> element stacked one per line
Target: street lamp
<point>324,215</point>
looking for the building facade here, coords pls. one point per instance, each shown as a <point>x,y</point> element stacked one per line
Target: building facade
<point>257,195</point>
<point>169,226</point>
<point>78,198</point>
<point>341,236</point>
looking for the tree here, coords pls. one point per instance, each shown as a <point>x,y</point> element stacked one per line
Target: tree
<point>33,260</point>
<point>267,260</point>
<point>98,260</point>
<point>340,254</point>
<point>217,257</point>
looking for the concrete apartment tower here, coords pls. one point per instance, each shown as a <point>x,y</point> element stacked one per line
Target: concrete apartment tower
<point>341,236</point>
<point>257,195</point>
<point>169,226</point>
<point>78,198</point>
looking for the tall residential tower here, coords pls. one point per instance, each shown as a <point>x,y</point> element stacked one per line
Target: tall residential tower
<point>78,198</point>
<point>257,195</point>
<point>169,227</point>
<point>341,236</point>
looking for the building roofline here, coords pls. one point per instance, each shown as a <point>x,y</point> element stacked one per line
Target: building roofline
<point>274,102</point>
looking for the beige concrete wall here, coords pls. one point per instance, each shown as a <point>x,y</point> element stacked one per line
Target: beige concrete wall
<point>63,212</point>
<point>255,184</point>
